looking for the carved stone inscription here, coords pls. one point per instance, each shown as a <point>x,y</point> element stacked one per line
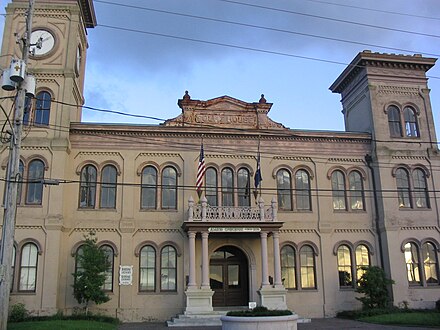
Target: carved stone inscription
<point>225,119</point>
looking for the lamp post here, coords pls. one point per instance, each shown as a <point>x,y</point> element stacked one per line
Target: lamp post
<point>13,179</point>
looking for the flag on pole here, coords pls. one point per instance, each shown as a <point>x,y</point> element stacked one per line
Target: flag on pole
<point>200,172</point>
<point>257,177</point>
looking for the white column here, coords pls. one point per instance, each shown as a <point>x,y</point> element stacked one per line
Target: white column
<point>277,259</point>
<point>264,267</point>
<point>192,260</point>
<point>205,261</point>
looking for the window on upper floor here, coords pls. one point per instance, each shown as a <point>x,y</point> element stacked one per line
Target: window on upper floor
<point>412,190</point>
<point>159,188</point>
<point>35,176</point>
<point>338,191</point>
<point>406,118</point>
<point>211,186</point>
<point>110,255</point>
<point>149,188</point>
<point>243,187</point>
<point>28,268</point>
<point>169,188</point>
<point>227,187</point>
<point>108,187</point>
<point>302,195</point>
<point>87,194</point>
<point>352,188</point>
<point>303,267</point>
<point>42,108</point>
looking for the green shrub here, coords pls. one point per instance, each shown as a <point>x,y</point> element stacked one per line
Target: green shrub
<point>437,305</point>
<point>18,313</point>
<point>260,311</point>
<point>374,285</point>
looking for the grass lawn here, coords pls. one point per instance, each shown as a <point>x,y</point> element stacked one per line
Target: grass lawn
<point>63,325</point>
<point>427,319</point>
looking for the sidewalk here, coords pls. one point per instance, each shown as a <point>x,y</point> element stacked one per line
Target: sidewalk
<point>326,324</point>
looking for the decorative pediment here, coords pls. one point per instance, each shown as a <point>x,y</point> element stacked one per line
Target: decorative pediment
<point>224,111</point>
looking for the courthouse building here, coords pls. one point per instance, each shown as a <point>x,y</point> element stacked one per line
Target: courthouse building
<point>329,202</point>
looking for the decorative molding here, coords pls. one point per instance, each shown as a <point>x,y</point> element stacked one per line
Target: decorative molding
<point>345,231</point>
<point>410,157</point>
<point>420,228</point>
<point>94,229</point>
<point>158,230</point>
<point>219,156</point>
<point>98,153</point>
<point>157,154</point>
<point>294,158</point>
<point>345,160</point>
<point>28,227</point>
<point>400,90</point>
<point>298,231</point>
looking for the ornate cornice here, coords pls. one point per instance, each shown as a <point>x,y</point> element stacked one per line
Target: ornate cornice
<point>346,160</point>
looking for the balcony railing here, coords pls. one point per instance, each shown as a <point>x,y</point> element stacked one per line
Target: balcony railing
<point>204,212</point>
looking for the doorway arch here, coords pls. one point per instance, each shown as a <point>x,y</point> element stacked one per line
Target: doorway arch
<point>229,277</point>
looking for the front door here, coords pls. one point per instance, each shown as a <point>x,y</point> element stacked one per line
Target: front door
<point>229,277</point>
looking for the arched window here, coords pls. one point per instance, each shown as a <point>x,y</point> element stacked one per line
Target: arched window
<point>403,192</point>
<point>78,265</point>
<point>35,177</point>
<point>411,127</point>
<point>288,273</point>
<point>169,188</point>
<point>394,121</point>
<point>338,191</point>
<point>147,269</point>
<point>244,187</point>
<point>430,263</point>
<point>42,108</point>
<point>87,193</point>
<point>362,260</point>
<point>108,187</point>
<point>356,191</point>
<point>227,187</point>
<point>211,186</point>
<point>302,185</point>
<point>307,264</point>
<point>149,188</point>
<point>28,268</point>
<point>284,190</point>
<point>344,267</point>
<point>168,269</point>
<point>110,254</point>
<point>421,196</point>
<point>412,264</point>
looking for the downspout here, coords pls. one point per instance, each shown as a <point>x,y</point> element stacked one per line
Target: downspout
<point>369,161</point>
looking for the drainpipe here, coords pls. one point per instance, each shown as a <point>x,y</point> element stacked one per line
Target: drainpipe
<point>369,161</point>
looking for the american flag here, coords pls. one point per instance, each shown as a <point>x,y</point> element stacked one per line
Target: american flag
<point>200,171</point>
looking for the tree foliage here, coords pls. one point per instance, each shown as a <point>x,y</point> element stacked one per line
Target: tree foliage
<point>374,285</point>
<point>89,276</point>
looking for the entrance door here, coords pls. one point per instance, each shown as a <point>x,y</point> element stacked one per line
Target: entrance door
<point>229,277</point>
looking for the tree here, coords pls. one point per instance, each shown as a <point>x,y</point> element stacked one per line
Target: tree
<point>89,276</point>
<point>374,285</point>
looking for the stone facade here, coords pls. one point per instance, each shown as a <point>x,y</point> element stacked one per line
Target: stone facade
<point>328,202</point>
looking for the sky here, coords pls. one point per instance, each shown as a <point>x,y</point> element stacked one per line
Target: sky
<point>144,54</point>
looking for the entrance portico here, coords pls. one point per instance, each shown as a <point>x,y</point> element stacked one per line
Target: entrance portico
<point>226,278</point>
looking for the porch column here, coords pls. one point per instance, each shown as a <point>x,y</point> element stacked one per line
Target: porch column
<point>205,261</point>
<point>192,260</point>
<point>264,267</point>
<point>277,259</point>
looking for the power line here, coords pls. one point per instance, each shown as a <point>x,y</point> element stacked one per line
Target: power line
<point>373,9</point>
<point>254,26</point>
<point>330,19</point>
<point>259,50</point>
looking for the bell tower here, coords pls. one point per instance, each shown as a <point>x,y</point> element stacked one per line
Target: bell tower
<point>56,60</point>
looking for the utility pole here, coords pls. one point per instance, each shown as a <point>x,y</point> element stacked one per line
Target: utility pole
<point>13,180</point>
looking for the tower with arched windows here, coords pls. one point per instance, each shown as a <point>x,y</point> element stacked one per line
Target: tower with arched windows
<point>387,96</point>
